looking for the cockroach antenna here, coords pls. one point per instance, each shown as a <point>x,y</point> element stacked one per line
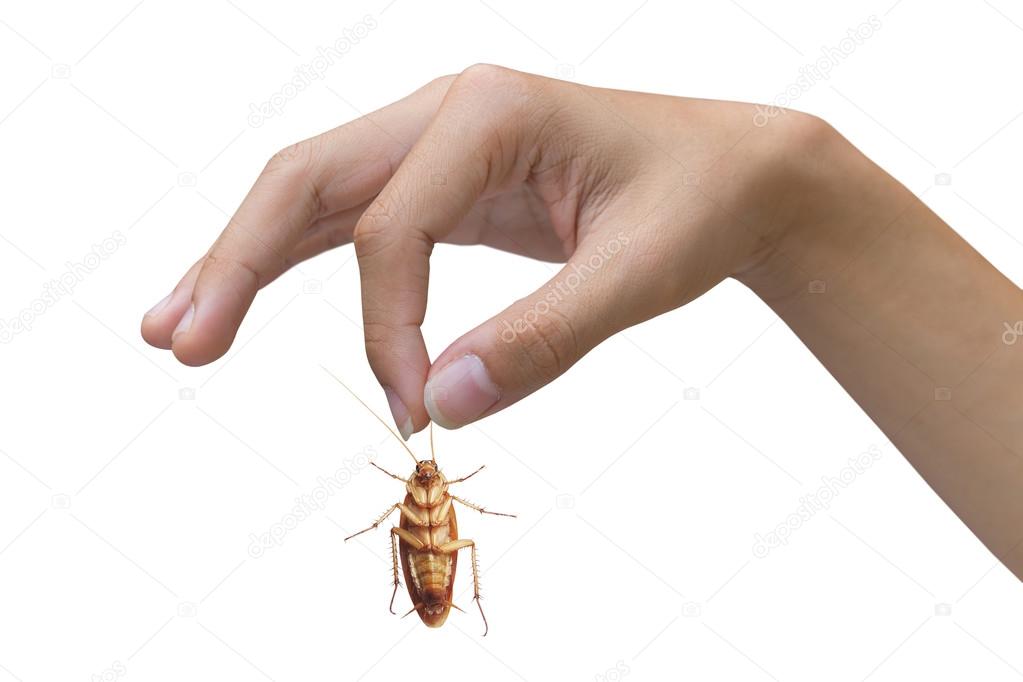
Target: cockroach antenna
<point>379,418</point>
<point>433,455</point>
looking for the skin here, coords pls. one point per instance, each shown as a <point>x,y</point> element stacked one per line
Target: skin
<point>668,196</point>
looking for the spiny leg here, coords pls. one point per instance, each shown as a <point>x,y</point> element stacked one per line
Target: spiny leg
<point>416,544</point>
<point>456,545</point>
<point>377,522</point>
<point>394,476</point>
<point>408,513</point>
<point>466,478</point>
<point>476,589</point>
<point>394,559</point>
<point>408,537</point>
<point>478,508</point>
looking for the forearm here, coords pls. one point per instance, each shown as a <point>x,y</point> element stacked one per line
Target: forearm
<point>910,320</point>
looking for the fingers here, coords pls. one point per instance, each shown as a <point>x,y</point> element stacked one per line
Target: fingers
<point>538,338</point>
<point>471,146</point>
<point>521,229</point>
<point>325,175</point>
<point>158,324</point>
<point>248,253</point>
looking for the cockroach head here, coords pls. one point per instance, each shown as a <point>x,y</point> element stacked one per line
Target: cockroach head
<point>426,470</point>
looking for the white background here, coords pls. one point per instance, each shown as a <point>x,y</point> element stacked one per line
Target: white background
<point>126,508</point>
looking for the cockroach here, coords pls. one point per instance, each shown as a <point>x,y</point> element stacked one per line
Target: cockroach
<point>426,538</point>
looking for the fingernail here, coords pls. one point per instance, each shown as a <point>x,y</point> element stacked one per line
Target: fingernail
<point>185,323</point>
<point>399,412</point>
<point>460,392</point>
<point>161,305</point>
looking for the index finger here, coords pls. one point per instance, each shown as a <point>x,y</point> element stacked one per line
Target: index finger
<point>473,145</point>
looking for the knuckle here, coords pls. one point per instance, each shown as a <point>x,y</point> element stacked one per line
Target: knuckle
<point>373,230</point>
<point>379,337</point>
<point>494,106</point>
<point>801,132</point>
<point>228,267</point>
<point>801,145</point>
<point>296,165</point>
<point>548,343</point>
<point>294,159</point>
<point>808,131</point>
<point>441,82</point>
<point>482,72</point>
<point>485,78</point>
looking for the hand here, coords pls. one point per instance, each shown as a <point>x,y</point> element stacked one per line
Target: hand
<point>651,200</point>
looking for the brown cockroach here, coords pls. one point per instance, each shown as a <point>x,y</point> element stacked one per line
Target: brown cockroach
<point>427,536</point>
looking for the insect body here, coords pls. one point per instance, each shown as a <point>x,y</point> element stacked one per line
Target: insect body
<point>426,539</point>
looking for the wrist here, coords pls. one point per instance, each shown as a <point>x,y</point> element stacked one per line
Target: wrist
<point>813,217</point>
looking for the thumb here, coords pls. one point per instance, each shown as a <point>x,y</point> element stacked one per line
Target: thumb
<point>535,340</point>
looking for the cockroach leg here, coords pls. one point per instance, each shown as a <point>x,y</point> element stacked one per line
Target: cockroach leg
<point>405,511</point>
<point>478,508</point>
<point>408,537</point>
<point>377,522</point>
<point>394,559</point>
<point>414,519</point>
<point>466,478</point>
<point>399,478</point>
<point>454,546</point>
<point>476,590</point>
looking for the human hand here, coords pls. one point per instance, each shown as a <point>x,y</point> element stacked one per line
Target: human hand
<point>650,200</point>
